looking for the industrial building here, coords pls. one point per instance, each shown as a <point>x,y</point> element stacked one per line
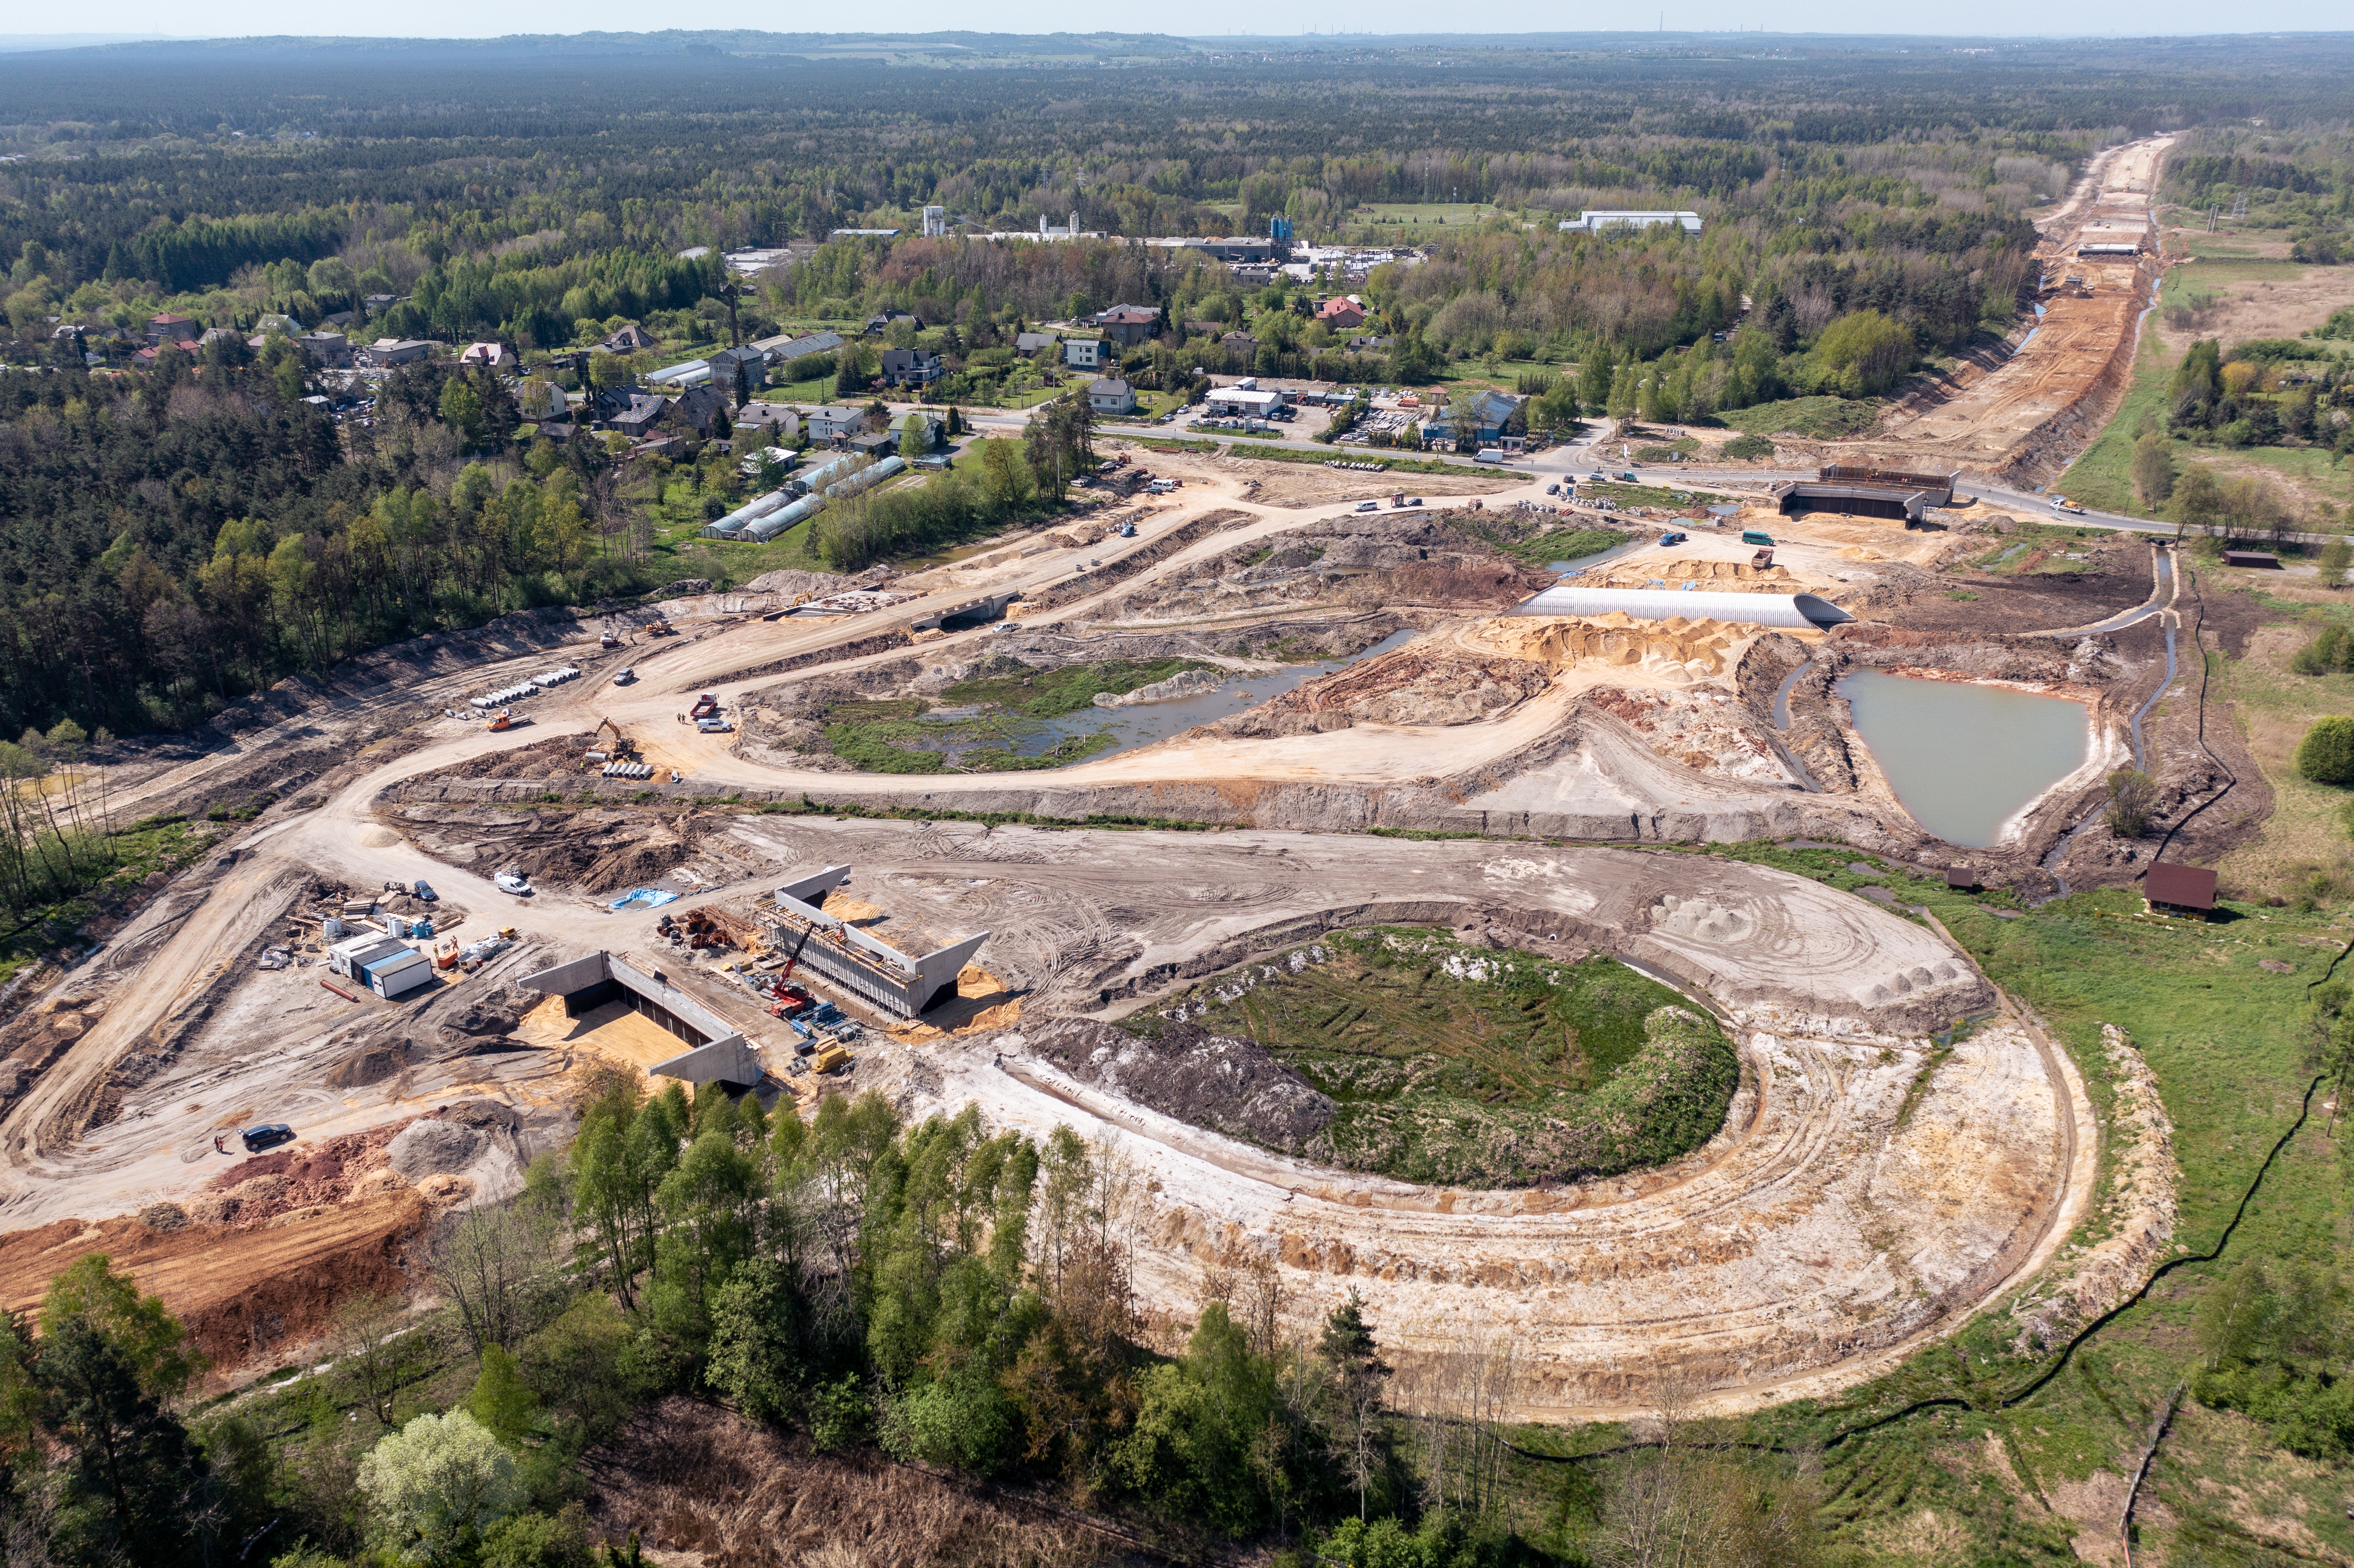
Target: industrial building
<point>1594,220</point>
<point>1863,492</point>
<point>853,958</point>
<point>715,1054</point>
<point>1242,401</point>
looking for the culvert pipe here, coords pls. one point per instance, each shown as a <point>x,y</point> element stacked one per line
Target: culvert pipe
<point>1790,612</point>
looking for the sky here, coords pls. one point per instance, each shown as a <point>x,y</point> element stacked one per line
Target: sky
<point>462,19</point>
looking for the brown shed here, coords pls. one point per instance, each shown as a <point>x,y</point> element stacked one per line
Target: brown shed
<point>2261,560</point>
<point>2179,887</point>
<point>1962,877</point>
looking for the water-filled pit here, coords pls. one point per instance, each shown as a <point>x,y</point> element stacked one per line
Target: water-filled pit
<point>1142,725</point>
<point>1964,759</point>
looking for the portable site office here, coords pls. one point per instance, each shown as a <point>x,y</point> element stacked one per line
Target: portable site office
<point>385,966</point>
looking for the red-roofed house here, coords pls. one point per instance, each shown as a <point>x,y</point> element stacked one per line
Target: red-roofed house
<point>1341,313</point>
<point>169,328</point>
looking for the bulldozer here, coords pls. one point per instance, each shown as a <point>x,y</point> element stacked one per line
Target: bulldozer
<point>662,629</point>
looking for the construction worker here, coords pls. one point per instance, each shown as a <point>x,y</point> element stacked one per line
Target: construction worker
<point>217,1145</point>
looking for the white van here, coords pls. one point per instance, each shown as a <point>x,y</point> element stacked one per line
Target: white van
<point>1490,454</point>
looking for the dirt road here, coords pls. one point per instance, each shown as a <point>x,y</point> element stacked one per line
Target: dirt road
<point>2024,421</point>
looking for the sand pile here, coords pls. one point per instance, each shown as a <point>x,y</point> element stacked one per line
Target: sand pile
<point>1673,653</point>
<point>474,1148</point>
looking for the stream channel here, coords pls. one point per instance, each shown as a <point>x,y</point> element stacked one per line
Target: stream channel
<point>1149,722</point>
<point>1964,759</point>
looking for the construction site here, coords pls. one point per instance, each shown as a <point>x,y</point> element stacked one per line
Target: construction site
<point>1134,768</point>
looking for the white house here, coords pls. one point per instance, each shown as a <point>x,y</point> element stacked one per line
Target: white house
<point>1082,353</point>
<point>1111,396</point>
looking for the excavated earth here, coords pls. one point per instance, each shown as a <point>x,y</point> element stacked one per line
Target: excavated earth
<point>1865,1191</point>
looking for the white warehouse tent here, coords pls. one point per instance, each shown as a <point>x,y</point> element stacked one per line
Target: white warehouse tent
<point>1792,611</point>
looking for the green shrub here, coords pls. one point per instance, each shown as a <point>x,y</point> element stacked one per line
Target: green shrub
<point>1748,449</point>
<point>2326,754</point>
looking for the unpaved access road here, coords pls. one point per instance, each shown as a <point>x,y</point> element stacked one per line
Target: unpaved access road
<point>2023,422</point>
<point>1826,1230</point>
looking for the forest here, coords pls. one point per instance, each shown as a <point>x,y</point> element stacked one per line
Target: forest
<point>1865,213</point>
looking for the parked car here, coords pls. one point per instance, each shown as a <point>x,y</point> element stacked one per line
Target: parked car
<point>513,880</point>
<point>267,1135</point>
<point>1413,500</point>
<point>628,676</point>
<point>1672,537</point>
<point>713,726</point>
<point>425,891</point>
<point>1368,506</point>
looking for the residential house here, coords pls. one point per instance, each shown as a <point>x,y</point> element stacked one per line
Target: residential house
<point>629,339</point>
<point>881,322</point>
<point>1129,325</point>
<point>600,408</point>
<point>1341,314</point>
<point>377,304</point>
<point>773,421</point>
<point>497,355</point>
<point>705,410</point>
<point>1082,353</point>
<point>324,348</point>
<point>1240,343</point>
<point>1204,329</point>
<point>927,430</point>
<point>874,444</point>
<point>340,318</point>
<point>1029,345</point>
<point>911,367</point>
<point>738,372</point>
<point>274,321</point>
<point>169,328</point>
<point>835,423</point>
<point>638,417</point>
<point>1111,396</point>
<point>541,400</point>
<point>219,334</point>
<point>1371,342</point>
<point>387,351</point>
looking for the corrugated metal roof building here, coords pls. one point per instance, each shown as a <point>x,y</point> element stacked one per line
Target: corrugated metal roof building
<point>1790,612</point>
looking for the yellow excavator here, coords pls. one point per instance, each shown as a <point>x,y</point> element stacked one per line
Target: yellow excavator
<point>623,749</point>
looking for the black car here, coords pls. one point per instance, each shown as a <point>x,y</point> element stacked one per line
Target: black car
<point>269,1135</point>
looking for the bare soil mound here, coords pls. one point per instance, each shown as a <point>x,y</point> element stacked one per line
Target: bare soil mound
<point>256,1190</point>
<point>692,1477</point>
<point>1228,1085</point>
<point>246,1294</point>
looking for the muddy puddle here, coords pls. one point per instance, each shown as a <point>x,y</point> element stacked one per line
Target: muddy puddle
<point>1964,759</point>
<point>1128,728</point>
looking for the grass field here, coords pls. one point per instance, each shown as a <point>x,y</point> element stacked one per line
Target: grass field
<point>1453,1063</point>
<point>1344,454</point>
<point>2102,475</point>
<point>1990,1483</point>
<point>1823,419</point>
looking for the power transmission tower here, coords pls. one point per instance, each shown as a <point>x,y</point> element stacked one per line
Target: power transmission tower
<point>2240,207</point>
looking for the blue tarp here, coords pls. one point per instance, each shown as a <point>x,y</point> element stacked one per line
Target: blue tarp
<point>644,898</point>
